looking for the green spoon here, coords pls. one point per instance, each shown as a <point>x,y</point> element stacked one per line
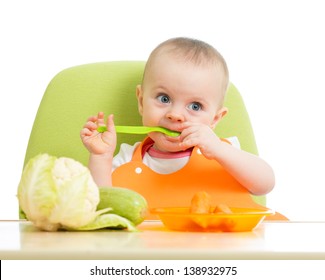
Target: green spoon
<point>140,130</point>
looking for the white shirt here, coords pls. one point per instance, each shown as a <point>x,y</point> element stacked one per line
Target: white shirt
<point>159,165</point>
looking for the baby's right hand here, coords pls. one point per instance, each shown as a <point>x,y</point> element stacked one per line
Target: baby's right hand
<point>96,142</point>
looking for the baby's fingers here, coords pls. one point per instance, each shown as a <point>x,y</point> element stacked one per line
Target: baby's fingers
<point>110,123</point>
<point>186,145</point>
<point>90,125</point>
<point>189,141</point>
<point>100,119</point>
<point>92,119</point>
<point>85,132</point>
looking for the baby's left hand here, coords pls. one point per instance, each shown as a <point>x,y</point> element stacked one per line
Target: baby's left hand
<point>200,135</point>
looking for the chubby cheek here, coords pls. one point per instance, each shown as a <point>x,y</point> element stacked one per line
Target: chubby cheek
<point>150,118</point>
<point>147,121</point>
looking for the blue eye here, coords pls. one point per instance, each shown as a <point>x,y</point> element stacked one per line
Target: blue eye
<point>163,98</point>
<point>195,106</point>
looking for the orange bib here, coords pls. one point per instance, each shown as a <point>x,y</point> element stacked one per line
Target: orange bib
<point>177,189</point>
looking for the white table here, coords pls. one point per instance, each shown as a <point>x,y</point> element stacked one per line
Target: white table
<point>270,240</point>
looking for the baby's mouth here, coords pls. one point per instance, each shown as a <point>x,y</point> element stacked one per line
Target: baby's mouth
<point>173,139</point>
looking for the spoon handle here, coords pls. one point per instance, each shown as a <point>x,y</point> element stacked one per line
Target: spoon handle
<point>133,129</point>
<point>140,130</point>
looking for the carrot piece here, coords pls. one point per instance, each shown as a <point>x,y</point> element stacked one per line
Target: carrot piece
<point>200,203</point>
<point>222,209</point>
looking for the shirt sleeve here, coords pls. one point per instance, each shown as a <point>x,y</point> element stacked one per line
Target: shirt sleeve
<point>124,155</point>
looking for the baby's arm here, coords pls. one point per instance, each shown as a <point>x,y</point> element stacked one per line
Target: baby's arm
<point>249,170</point>
<point>101,147</point>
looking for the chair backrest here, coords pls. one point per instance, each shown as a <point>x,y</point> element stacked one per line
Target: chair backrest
<point>78,92</point>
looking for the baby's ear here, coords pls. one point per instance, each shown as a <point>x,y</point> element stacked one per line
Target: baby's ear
<point>140,98</point>
<point>218,116</point>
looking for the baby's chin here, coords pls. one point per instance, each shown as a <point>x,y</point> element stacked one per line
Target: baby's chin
<point>167,144</point>
<point>167,149</point>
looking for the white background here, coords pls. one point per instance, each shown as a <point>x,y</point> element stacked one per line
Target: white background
<point>275,52</point>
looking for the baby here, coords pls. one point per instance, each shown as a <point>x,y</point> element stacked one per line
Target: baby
<point>183,89</point>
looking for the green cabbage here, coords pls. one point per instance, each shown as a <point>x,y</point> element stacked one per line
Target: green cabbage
<point>60,193</point>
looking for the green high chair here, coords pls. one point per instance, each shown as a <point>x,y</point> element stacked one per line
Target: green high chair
<point>78,92</point>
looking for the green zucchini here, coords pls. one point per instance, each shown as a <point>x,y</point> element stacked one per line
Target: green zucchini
<point>124,202</point>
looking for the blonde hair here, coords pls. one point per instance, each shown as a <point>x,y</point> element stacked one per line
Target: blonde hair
<point>194,51</point>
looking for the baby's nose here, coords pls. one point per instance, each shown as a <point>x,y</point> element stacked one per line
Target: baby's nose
<point>175,117</point>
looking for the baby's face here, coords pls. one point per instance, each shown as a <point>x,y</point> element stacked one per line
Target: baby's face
<point>174,92</point>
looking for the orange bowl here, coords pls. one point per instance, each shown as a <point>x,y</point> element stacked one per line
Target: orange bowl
<point>241,219</point>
